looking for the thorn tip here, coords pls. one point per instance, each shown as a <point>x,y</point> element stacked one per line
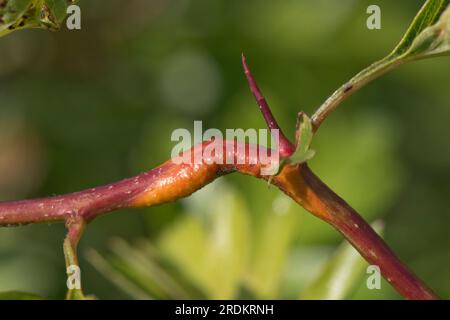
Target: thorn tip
<point>285,144</point>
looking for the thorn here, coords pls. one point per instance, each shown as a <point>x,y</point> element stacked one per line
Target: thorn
<point>286,147</point>
<point>262,103</point>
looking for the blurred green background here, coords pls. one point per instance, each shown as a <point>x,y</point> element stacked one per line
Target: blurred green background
<point>83,108</point>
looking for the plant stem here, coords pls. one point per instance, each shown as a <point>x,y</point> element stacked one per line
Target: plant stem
<point>370,73</point>
<point>86,204</point>
<point>307,189</point>
<point>75,226</point>
<point>286,147</point>
<point>171,181</point>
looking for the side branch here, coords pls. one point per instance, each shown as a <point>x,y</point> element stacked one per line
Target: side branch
<point>346,90</point>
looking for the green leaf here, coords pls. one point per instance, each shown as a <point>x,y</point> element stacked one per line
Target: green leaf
<point>341,275</point>
<point>304,135</point>
<point>203,255</point>
<point>25,14</point>
<point>434,40</point>
<point>427,16</point>
<point>273,242</point>
<point>427,36</point>
<point>57,10</point>
<point>145,271</point>
<point>18,295</point>
<point>302,153</point>
<point>120,279</point>
<point>211,247</point>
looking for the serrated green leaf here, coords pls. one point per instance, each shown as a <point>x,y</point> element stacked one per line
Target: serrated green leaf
<point>341,274</point>
<point>26,14</point>
<point>18,295</point>
<point>12,10</point>
<point>58,9</point>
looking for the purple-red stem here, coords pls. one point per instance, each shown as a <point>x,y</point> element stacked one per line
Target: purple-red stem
<point>286,147</point>
<point>171,181</point>
<point>369,244</point>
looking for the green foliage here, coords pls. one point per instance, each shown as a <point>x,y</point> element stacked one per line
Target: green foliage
<point>216,252</point>
<point>427,32</point>
<point>341,275</point>
<point>427,36</point>
<point>304,135</point>
<point>434,40</point>
<point>23,14</point>
<point>212,252</point>
<point>422,39</point>
<point>18,295</point>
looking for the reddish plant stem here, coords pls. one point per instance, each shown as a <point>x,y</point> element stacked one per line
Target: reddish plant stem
<point>308,190</point>
<point>165,183</point>
<point>75,226</point>
<point>286,147</point>
<point>172,181</point>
